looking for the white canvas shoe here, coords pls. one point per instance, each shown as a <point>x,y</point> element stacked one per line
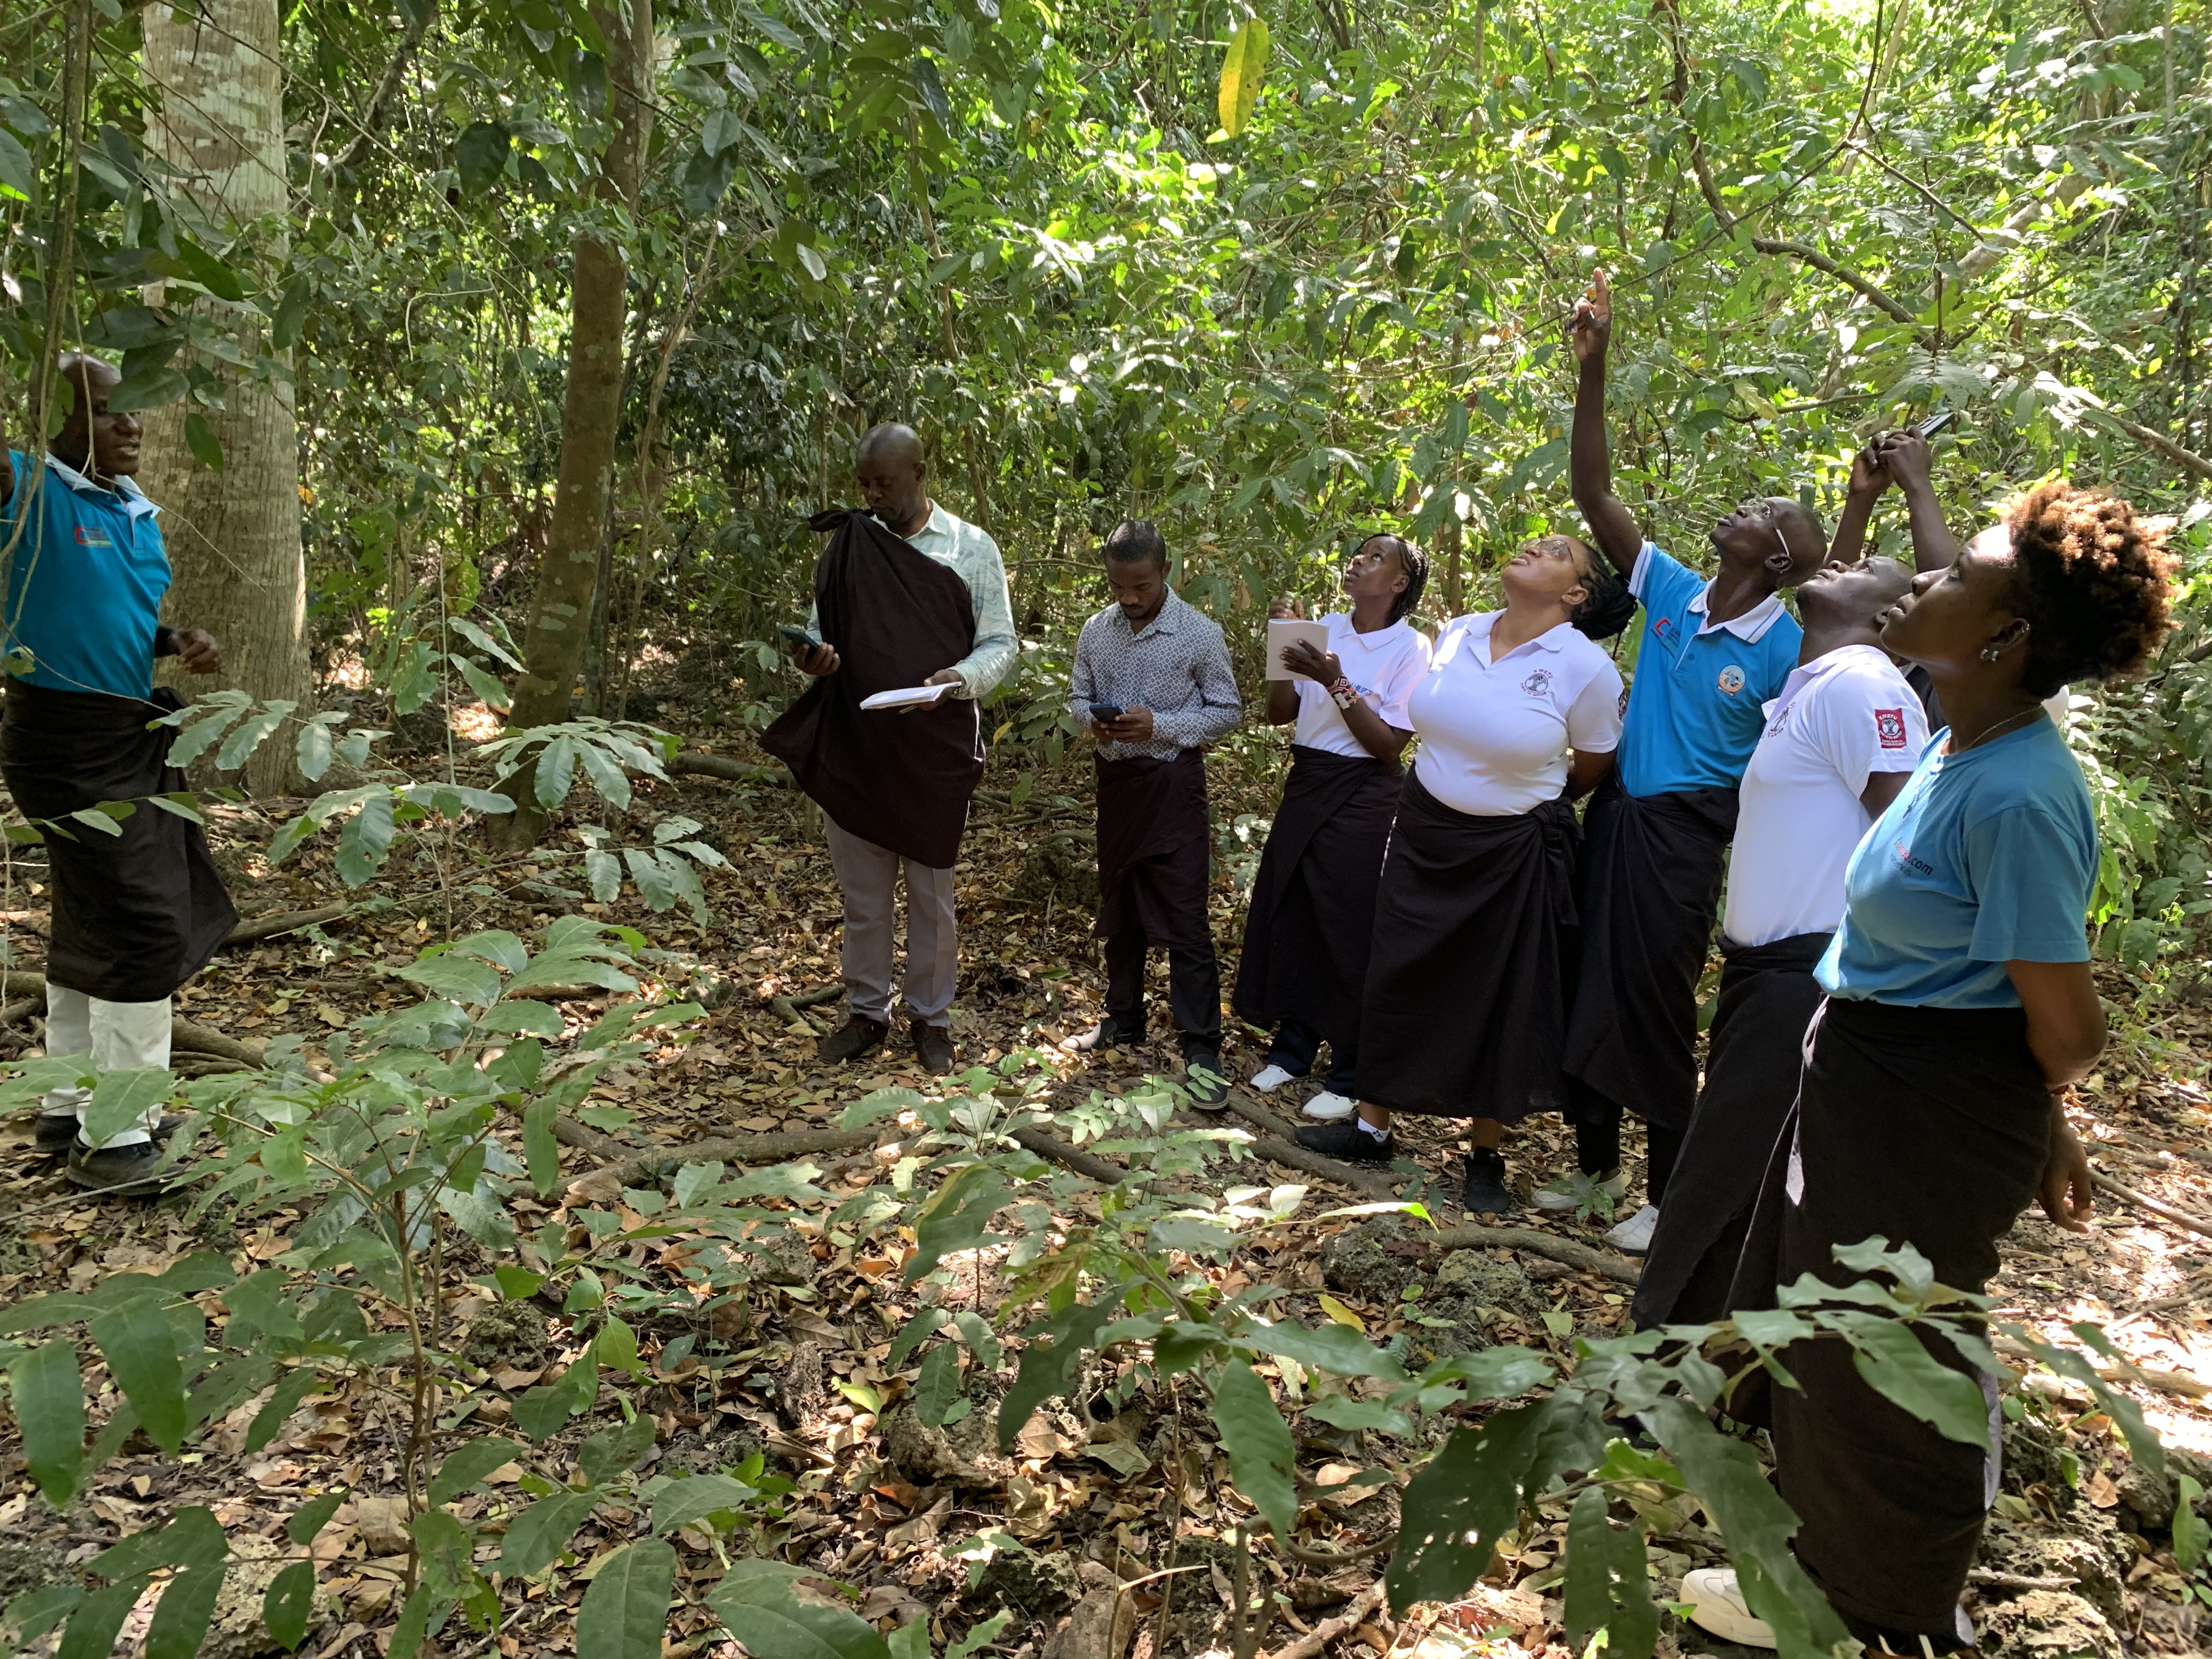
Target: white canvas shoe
<point>1327,1108</point>
<point>1275,1077</point>
<point>1716,1604</point>
<point>1633,1235</point>
<point>1566,1193</point>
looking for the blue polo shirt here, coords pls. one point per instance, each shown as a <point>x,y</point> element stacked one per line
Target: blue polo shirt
<point>1985,858</point>
<point>1698,703</point>
<point>86,583</point>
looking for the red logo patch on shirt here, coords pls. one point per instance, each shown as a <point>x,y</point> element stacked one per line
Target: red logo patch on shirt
<point>87,536</point>
<point>1889,727</point>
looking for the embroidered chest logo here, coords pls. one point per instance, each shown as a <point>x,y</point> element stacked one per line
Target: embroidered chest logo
<point>1731,679</point>
<point>1538,682</point>
<point>89,536</point>
<point>1889,727</point>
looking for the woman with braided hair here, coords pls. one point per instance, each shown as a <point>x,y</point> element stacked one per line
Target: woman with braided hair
<point>1958,1006</point>
<point>1465,1006</point>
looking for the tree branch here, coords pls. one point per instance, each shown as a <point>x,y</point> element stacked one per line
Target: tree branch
<point>1866,286</point>
<point>371,118</point>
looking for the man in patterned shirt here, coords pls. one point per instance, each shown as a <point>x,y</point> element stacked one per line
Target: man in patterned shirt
<point>1151,684</point>
<point>892,474</point>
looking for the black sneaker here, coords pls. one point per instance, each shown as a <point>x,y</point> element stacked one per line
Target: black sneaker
<point>934,1044</point>
<point>56,1135</point>
<point>1204,1080</point>
<point>855,1037</point>
<point>1484,1193</point>
<point>131,1171</point>
<point>1349,1141</point>
<point>1108,1033</point>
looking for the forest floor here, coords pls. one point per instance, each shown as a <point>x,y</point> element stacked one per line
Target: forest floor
<point>1081,1504</point>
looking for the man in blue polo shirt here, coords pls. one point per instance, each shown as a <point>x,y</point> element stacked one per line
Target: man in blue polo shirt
<point>1713,653</point>
<point>136,914</point>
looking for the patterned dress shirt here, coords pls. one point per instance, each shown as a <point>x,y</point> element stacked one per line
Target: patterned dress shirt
<point>974,557</point>
<point>1178,668</point>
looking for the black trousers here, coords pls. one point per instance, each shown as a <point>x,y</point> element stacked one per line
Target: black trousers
<point>1194,985</point>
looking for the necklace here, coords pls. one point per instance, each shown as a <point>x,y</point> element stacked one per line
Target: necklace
<point>1988,732</point>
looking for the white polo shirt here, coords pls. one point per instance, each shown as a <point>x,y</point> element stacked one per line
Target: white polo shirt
<point>1840,719</point>
<point>1383,667</point>
<point>1494,736</point>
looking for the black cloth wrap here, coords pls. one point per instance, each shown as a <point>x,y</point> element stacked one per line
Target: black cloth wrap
<point>899,778</point>
<point>1755,1053</point>
<point>1313,902</point>
<point>1649,892</point>
<point>1155,858</point>
<point>1465,1009</point>
<point>1929,1126</point>
<point>135,914</point>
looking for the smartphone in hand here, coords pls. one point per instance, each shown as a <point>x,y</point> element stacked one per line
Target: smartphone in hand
<point>798,636</point>
<point>1105,713</point>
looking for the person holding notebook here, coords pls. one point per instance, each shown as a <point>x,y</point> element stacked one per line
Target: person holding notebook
<point>1313,902</point>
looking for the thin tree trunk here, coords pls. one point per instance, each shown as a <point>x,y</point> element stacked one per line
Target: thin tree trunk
<point>232,535</point>
<point>568,576</point>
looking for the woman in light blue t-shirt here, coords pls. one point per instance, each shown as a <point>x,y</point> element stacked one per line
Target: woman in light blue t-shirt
<point>1959,1003</point>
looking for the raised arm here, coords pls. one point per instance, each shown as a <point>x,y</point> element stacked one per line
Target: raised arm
<point>1612,525</point>
<point>1907,456</point>
<point>1869,478</point>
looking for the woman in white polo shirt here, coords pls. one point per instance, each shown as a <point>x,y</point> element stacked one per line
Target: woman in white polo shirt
<point>1313,901</point>
<point>1464,1012</point>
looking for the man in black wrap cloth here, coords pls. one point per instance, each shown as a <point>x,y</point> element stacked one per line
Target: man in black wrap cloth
<point>137,913</point>
<point>1713,653</point>
<point>1152,683</point>
<point>1838,746</point>
<point>902,590</point>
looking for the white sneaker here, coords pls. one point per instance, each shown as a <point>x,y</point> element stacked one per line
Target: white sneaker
<point>1716,1604</point>
<point>1275,1077</point>
<point>1633,1235</point>
<point>1327,1108</point>
<point>1567,1193</point>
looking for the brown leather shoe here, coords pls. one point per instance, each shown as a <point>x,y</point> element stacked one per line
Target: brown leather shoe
<point>855,1037</point>
<point>934,1044</point>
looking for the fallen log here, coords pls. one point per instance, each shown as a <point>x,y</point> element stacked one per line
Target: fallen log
<point>1083,1162</point>
<point>15,1012</point>
<point>629,1168</point>
<point>721,766</point>
<point>269,926</point>
<point>1277,1147</point>
<point>1309,1646</point>
<point>1469,1237</point>
<point>2196,1223</point>
<point>195,1039</point>
<point>789,1006</point>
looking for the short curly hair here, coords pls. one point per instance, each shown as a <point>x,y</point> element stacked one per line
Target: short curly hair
<point>2091,582</point>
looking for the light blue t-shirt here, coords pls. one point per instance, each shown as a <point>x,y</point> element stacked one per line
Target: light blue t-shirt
<point>1698,703</point>
<point>85,585</point>
<point>1986,858</point>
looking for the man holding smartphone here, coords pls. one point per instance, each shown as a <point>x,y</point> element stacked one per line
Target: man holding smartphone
<point>1151,684</point>
<point>893,476</point>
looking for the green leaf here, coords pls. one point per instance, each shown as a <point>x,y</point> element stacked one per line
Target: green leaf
<point>760,1612</point>
<point>281,1405</point>
<point>1262,1456</point>
<point>1050,1368</point>
<point>539,1149</point>
<point>209,272</point>
<point>556,770</point>
<point>956,1217</point>
<point>187,1608</point>
<point>16,172</point>
<point>911,1333</point>
<point>1890,1357</point>
<point>625,1611</point>
<point>1491,1373</point>
<point>33,1613</point>
<point>1239,75</point>
<point>494,695</point>
<point>200,439</point>
<point>147,389</point>
<point>366,839</point>
<point>480,155</point>
<point>465,1465</point>
<point>1455,1510</point>
<point>610,1451</point>
<point>92,1629</point>
<point>2190,1535</point>
<point>536,1537</point>
<point>121,1098</point>
<point>938,1385</point>
<point>652,882</point>
<point>1608,1585</point>
<point>685,1500</point>
<point>289,1603</point>
<point>1332,1347</point>
<point>291,315</point>
<point>140,1346</point>
<point>47,1390</point>
<point>307,1522</point>
<point>459,978</point>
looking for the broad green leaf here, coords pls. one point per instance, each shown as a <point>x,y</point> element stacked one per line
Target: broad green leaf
<point>555,769</point>
<point>1241,71</point>
<point>92,1629</point>
<point>47,1391</point>
<point>783,1627</point>
<point>186,1607</point>
<point>625,1611</point>
<point>289,1603</point>
<point>956,1217</point>
<point>36,1612</point>
<point>1467,1498</point>
<point>2191,1536</point>
<point>280,1406</point>
<point>462,979</point>
<point>16,172</point>
<point>209,272</point>
<point>610,1451</point>
<point>877,1105</point>
<point>307,1522</point>
<point>1262,1456</point>
<point>465,1465</point>
<point>652,882</point>
<point>1050,1368</point>
<point>480,155</point>
<point>1608,1585</point>
<point>248,735</point>
<point>206,448</point>
<point>536,1537</point>
<point>606,775</point>
<point>140,1346</point>
<point>1330,1347</point>
<point>1343,1412</point>
<point>193,1539</point>
<point>494,694</point>
<point>1491,1373</point>
<point>540,1150</point>
<point>911,1334</point>
<point>975,1332</point>
<point>939,1386</point>
<point>543,1411</point>
<point>122,1098</point>
<point>683,1501</point>
<point>366,839</point>
<point>1893,1362</point>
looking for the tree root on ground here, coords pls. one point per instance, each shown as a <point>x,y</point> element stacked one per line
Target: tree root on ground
<point>787,1007</point>
<point>1468,1236</point>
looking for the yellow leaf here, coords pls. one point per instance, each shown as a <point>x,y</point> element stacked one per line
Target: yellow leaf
<point>1342,1314</point>
<point>1240,73</point>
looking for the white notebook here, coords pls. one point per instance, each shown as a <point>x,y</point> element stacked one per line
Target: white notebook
<point>907,698</point>
<point>1283,633</point>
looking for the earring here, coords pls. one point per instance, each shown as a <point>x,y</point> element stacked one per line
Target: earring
<point>1990,654</point>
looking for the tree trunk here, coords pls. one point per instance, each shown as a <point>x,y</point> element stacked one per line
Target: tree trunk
<point>232,535</point>
<point>567,575</point>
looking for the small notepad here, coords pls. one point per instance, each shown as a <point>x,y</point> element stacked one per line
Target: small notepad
<point>1285,632</point>
<point>907,698</point>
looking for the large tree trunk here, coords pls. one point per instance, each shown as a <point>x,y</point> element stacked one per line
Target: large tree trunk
<point>567,575</point>
<point>233,536</point>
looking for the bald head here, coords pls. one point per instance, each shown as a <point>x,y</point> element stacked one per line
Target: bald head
<point>97,442</point>
<point>891,469</point>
